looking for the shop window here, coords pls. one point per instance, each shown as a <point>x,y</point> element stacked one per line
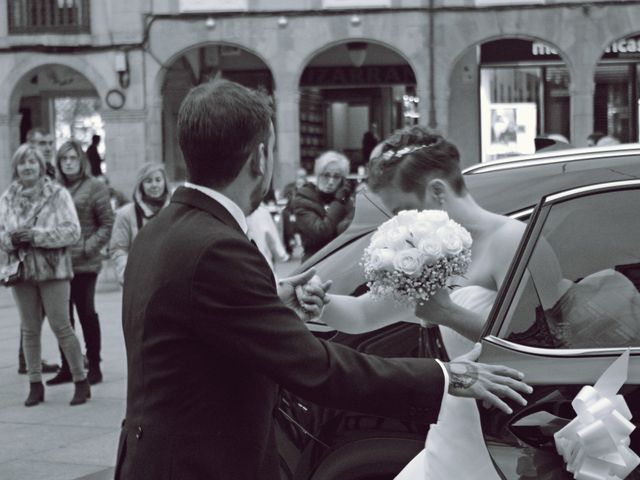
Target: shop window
<point>79,118</point>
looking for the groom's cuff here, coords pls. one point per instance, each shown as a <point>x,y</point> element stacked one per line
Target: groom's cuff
<point>445,375</point>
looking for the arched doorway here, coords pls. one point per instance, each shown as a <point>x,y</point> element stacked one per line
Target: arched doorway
<point>60,100</point>
<point>197,65</point>
<point>504,93</point>
<point>616,99</point>
<point>350,90</point>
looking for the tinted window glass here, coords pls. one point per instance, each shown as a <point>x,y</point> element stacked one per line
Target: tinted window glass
<point>581,285</point>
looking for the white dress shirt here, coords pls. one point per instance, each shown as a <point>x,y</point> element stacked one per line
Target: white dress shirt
<point>231,206</point>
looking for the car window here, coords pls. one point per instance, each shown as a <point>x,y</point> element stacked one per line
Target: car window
<point>580,288</point>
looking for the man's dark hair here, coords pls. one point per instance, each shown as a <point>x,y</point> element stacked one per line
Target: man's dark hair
<point>95,139</point>
<point>220,125</point>
<point>33,131</point>
<point>412,157</point>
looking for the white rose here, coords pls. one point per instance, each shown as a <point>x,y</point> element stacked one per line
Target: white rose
<point>381,259</point>
<point>388,226</point>
<point>464,235</point>
<point>397,238</point>
<point>407,218</point>
<point>431,248</point>
<point>451,241</point>
<point>422,230</point>
<point>409,261</point>
<point>438,218</point>
<point>378,240</point>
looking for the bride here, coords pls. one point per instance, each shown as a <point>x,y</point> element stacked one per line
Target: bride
<point>423,172</point>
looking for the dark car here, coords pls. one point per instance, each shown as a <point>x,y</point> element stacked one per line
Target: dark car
<point>584,204</point>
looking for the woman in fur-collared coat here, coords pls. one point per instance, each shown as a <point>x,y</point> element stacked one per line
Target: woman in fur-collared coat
<point>38,222</point>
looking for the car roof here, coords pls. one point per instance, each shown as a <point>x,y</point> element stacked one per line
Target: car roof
<point>554,156</point>
<point>508,189</point>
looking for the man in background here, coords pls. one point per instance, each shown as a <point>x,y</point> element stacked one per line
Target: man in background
<point>95,161</point>
<point>43,141</point>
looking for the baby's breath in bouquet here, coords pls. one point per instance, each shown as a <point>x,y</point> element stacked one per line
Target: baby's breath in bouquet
<point>412,255</point>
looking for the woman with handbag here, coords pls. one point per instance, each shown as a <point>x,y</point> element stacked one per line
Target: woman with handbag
<point>38,221</point>
<point>93,204</point>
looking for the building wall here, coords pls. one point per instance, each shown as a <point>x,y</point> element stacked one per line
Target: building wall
<point>154,39</point>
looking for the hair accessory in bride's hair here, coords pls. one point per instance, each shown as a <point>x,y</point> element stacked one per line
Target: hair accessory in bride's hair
<point>390,154</point>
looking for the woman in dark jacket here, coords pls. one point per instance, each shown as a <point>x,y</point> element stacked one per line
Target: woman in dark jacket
<point>324,211</point>
<point>91,198</point>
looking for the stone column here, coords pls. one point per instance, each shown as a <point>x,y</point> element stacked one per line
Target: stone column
<point>125,143</point>
<point>153,151</point>
<point>5,152</point>
<point>582,91</point>
<point>287,106</point>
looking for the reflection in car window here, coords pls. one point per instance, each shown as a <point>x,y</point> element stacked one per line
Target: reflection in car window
<point>582,281</point>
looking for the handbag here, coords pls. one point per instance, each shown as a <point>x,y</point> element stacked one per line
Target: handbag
<point>13,273</point>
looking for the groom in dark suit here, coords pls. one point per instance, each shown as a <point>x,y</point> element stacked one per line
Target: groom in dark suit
<point>210,338</point>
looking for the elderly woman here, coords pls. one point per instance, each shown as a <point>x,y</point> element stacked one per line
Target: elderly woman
<point>38,221</point>
<point>93,204</point>
<point>150,195</point>
<point>324,210</point>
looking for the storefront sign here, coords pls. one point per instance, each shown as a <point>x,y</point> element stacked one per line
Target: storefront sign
<point>348,76</point>
<point>355,3</point>
<point>213,5</point>
<point>517,50</point>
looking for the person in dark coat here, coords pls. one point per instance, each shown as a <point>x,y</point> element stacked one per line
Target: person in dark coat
<point>95,161</point>
<point>211,337</point>
<point>91,198</point>
<point>325,209</point>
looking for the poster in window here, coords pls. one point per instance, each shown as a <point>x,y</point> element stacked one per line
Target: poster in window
<point>512,129</point>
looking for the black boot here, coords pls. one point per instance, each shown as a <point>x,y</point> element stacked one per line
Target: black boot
<point>22,364</point>
<point>95,374</point>
<point>82,393</point>
<point>36,394</point>
<point>63,375</point>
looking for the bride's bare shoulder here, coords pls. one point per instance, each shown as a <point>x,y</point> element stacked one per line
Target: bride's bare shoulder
<point>507,236</point>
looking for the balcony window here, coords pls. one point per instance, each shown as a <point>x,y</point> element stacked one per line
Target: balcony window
<point>48,16</point>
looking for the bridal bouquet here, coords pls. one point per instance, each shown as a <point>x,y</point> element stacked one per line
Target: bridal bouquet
<point>412,255</point>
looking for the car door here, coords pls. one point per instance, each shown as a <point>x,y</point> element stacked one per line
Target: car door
<point>569,307</point>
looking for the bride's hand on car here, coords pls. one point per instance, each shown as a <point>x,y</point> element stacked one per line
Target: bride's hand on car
<point>493,384</point>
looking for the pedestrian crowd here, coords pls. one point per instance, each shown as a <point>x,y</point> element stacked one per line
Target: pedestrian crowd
<point>59,220</point>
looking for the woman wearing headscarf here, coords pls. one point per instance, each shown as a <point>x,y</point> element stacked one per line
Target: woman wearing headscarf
<point>150,195</point>
<point>38,222</point>
<point>91,198</point>
<point>323,211</point>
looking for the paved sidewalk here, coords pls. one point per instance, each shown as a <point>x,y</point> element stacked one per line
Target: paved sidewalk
<point>54,441</point>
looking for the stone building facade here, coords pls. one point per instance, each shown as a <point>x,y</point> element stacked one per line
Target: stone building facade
<point>139,57</point>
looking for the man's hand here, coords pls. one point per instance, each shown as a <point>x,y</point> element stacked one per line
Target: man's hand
<point>305,294</point>
<point>488,383</point>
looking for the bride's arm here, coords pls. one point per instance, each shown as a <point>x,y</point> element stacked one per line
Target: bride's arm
<point>441,310</point>
<point>363,314</point>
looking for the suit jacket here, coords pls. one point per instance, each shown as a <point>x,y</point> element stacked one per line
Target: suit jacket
<point>209,343</point>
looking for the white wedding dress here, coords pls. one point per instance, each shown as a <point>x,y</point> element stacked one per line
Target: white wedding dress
<point>455,448</point>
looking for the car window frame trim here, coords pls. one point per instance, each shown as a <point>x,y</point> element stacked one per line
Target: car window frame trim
<point>520,261</point>
<point>555,158</point>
